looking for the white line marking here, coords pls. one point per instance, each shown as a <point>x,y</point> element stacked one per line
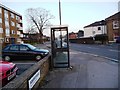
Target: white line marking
<point>113,50</point>
<point>115,60</point>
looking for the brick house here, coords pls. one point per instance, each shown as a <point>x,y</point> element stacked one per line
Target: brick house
<point>113,27</point>
<point>11,27</point>
<point>72,35</point>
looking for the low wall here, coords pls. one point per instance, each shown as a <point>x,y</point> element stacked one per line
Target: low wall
<point>21,82</point>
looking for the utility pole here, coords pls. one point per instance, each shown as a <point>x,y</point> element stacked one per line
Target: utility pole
<point>60,23</point>
<point>60,11</point>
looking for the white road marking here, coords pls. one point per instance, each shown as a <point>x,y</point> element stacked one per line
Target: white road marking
<point>115,60</point>
<point>93,47</point>
<point>113,50</point>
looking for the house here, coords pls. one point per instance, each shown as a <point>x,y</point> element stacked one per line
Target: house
<point>95,28</point>
<point>11,27</point>
<point>72,35</point>
<point>113,27</point>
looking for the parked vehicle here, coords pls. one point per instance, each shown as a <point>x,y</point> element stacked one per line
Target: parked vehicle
<point>23,52</point>
<point>8,72</point>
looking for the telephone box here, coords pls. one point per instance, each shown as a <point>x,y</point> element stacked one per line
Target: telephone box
<point>60,47</point>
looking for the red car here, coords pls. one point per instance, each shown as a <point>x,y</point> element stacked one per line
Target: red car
<point>8,72</point>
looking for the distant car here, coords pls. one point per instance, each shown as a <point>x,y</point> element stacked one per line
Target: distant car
<point>8,72</point>
<point>23,52</point>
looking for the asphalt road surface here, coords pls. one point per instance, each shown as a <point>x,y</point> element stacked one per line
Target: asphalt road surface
<point>23,65</point>
<point>109,51</point>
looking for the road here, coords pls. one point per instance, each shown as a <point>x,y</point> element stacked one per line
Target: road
<point>108,51</point>
<point>88,71</point>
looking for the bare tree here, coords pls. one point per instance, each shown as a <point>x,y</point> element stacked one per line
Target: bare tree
<point>39,18</point>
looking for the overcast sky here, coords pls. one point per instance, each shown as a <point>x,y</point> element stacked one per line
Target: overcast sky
<point>75,13</point>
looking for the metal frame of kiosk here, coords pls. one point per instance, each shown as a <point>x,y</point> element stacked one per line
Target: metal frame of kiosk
<point>60,47</point>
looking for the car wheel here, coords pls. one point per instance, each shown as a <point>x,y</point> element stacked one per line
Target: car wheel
<point>7,58</point>
<point>38,57</point>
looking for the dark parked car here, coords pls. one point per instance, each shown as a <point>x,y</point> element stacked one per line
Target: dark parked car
<point>8,72</point>
<point>23,51</point>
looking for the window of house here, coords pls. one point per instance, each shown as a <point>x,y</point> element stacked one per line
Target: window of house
<point>12,15</point>
<point>0,15</point>
<point>0,20</point>
<point>7,32</point>
<point>6,18</point>
<point>12,23</point>
<point>13,32</point>
<point>115,24</point>
<point>1,30</point>
<point>18,32</point>
<point>99,28</point>
<point>6,13</point>
<point>18,25</point>
<point>0,10</point>
<point>17,17</point>
<point>7,24</point>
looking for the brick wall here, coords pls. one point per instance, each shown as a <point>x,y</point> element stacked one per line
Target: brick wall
<point>21,82</point>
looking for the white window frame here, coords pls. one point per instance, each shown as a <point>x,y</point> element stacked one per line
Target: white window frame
<point>1,30</point>
<point>12,15</point>
<point>0,20</point>
<point>6,18</point>
<point>18,25</point>
<point>12,23</point>
<point>17,18</point>
<point>7,24</point>
<point>115,24</point>
<point>6,13</point>
<point>13,32</point>
<point>7,32</point>
<point>0,10</point>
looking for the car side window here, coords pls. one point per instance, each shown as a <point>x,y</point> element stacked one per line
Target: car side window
<point>14,48</point>
<point>24,48</point>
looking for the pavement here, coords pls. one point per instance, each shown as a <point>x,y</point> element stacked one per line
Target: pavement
<point>86,71</point>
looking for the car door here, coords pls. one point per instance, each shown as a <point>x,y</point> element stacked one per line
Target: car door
<point>25,52</point>
<point>14,51</point>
